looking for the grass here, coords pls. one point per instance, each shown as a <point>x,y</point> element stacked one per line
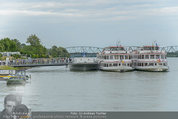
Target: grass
<point>4,67</point>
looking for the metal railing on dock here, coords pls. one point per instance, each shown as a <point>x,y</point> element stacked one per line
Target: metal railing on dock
<point>39,62</point>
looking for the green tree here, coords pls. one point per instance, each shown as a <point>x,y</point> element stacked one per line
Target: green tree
<point>33,40</point>
<point>2,48</point>
<point>54,51</point>
<point>18,44</point>
<point>58,52</point>
<point>7,45</point>
<point>35,49</point>
<point>63,52</point>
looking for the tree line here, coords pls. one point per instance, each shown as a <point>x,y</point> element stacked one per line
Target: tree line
<point>172,54</point>
<point>32,48</point>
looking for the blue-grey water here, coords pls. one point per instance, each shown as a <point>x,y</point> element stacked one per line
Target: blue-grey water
<point>58,89</point>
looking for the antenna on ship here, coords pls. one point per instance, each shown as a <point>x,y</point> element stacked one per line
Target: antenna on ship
<point>117,43</point>
<point>154,44</point>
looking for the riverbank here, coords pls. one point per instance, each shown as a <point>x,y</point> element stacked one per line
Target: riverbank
<point>5,67</point>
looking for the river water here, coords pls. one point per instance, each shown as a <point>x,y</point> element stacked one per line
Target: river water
<point>58,89</point>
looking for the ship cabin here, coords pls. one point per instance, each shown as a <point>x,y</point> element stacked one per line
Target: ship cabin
<point>115,56</point>
<point>150,56</point>
<point>114,49</point>
<point>150,48</point>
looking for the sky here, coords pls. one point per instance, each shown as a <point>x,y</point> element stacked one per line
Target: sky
<point>98,23</point>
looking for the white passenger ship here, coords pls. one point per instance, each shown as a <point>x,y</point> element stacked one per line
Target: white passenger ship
<point>150,58</point>
<point>115,58</point>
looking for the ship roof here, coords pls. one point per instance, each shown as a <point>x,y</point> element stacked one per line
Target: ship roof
<point>115,47</point>
<point>150,46</point>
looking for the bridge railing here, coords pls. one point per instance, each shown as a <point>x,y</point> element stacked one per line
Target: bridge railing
<point>39,61</point>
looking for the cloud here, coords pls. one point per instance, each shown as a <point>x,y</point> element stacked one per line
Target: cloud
<point>103,10</point>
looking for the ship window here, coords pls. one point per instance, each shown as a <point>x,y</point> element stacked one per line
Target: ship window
<point>160,63</point>
<point>142,56</point>
<point>151,64</point>
<point>116,57</point>
<point>119,64</point>
<point>162,56</point>
<point>135,64</point>
<point>121,57</point>
<point>107,57</point>
<point>139,57</point>
<point>111,57</point>
<point>126,56</point>
<point>155,64</point>
<point>146,56</point>
<point>124,64</point>
<point>157,56</point>
<point>114,64</point>
<point>146,64</point>
<point>110,65</point>
<point>151,56</point>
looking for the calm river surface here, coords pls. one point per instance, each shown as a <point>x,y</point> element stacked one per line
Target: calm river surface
<point>58,89</point>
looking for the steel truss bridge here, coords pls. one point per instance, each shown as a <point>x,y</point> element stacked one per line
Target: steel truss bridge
<point>82,49</point>
<point>90,49</point>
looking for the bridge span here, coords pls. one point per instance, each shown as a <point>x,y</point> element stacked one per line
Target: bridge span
<point>89,49</point>
<point>38,62</point>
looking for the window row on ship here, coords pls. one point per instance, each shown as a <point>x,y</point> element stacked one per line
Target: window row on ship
<point>136,64</point>
<point>151,64</point>
<point>116,64</point>
<point>115,57</point>
<point>130,57</point>
<point>151,57</point>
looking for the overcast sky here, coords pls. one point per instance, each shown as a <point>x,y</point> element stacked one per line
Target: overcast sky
<point>91,22</point>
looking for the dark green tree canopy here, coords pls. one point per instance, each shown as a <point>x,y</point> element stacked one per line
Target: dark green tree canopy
<point>34,49</point>
<point>58,52</point>
<point>8,45</point>
<point>33,40</point>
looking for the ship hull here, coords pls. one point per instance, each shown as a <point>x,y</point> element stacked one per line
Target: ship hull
<point>117,69</point>
<point>16,82</point>
<point>83,66</point>
<point>153,69</point>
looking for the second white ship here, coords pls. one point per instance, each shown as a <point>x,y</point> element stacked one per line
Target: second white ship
<point>115,58</point>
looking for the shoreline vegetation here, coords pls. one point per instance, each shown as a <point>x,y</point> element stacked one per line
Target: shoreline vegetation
<point>5,67</point>
<point>172,54</point>
<point>33,48</point>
